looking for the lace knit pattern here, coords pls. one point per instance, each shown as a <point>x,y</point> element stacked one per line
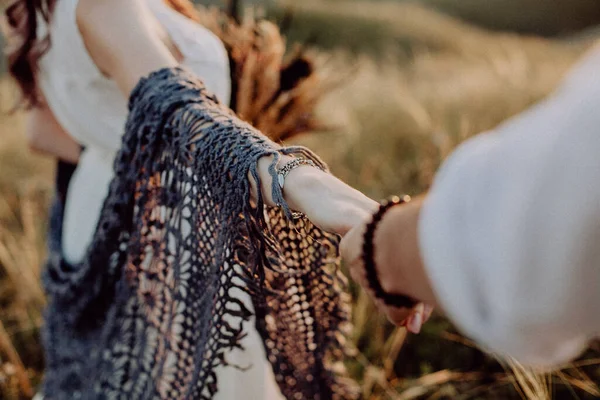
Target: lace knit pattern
<point>150,312</point>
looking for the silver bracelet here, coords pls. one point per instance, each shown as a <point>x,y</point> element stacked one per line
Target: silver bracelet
<point>284,171</point>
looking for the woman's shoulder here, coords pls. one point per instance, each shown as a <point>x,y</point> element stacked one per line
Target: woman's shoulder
<point>67,55</point>
<point>93,11</point>
<point>72,18</point>
<point>107,15</point>
<point>106,7</point>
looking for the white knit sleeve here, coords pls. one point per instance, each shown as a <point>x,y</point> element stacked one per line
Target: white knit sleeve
<point>510,232</point>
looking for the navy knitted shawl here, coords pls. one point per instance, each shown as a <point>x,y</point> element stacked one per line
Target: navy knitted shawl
<point>150,312</point>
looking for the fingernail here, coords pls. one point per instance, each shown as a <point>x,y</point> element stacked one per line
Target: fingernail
<point>419,308</point>
<point>415,322</point>
<point>427,313</point>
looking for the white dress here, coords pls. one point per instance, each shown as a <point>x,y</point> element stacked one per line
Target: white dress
<point>510,232</point>
<point>93,111</point>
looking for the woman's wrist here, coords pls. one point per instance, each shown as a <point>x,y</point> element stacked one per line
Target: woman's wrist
<point>266,179</point>
<point>301,184</point>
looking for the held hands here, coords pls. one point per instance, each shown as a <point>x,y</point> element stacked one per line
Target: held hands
<point>397,263</point>
<point>336,207</point>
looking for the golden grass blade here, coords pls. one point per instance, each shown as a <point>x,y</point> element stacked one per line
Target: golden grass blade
<point>273,47</point>
<point>532,384</point>
<point>396,342</point>
<point>267,120</point>
<point>583,383</point>
<point>256,49</point>
<point>21,273</point>
<point>301,104</point>
<point>9,383</point>
<point>361,314</point>
<point>246,85</point>
<point>13,356</point>
<point>31,235</point>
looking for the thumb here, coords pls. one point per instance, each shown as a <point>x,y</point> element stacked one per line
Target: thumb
<point>351,244</point>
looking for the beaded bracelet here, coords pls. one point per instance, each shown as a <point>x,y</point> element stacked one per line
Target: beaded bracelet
<point>283,172</point>
<point>368,256</point>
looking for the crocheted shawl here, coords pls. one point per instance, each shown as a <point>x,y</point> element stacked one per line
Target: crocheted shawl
<point>150,312</point>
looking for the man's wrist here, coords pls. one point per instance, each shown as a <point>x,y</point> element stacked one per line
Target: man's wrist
<point>397,255</point>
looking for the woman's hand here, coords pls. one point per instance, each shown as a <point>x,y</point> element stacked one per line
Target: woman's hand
<point>398,263</point>
<point>327,202</point>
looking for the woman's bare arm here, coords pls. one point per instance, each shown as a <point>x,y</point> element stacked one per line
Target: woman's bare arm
<point>125,41</point>
<point>45,135</point>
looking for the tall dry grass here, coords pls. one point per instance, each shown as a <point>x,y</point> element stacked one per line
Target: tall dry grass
<point>25,186</point>
<point>398,116</point>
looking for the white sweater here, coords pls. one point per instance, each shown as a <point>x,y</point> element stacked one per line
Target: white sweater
<point>510,232</point>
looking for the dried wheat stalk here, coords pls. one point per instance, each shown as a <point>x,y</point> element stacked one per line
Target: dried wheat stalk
<point>274,93</point>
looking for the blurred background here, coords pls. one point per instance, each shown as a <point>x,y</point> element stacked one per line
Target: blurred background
<point>413,80</point>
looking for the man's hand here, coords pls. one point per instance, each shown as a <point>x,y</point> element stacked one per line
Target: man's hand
<point>397,261</point>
